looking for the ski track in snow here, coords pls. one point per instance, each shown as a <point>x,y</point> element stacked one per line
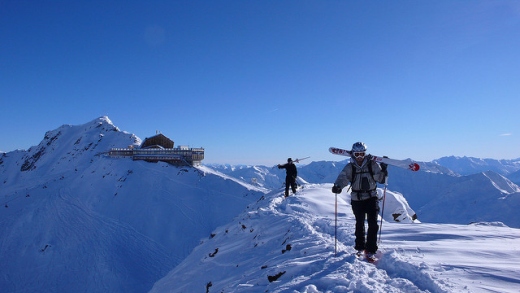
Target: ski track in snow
<point>392,272</point>
<point>242,254</point>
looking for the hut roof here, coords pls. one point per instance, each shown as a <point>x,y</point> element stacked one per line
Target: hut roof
<point>157,141</point>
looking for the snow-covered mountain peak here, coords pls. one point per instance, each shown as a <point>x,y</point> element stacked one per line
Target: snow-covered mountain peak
<point>74,219</point>
<point>469,165</point>
<point>71,215</point>
<point>71,146</point>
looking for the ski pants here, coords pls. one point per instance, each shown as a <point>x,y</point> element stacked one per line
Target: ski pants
<point>290,181</point>
<point>370,209</point>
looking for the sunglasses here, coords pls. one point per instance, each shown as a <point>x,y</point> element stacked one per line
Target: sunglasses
<point>359,155</point>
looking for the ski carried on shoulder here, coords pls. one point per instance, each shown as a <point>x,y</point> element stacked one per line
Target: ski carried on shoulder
<point>298,160</point>
<point>294,161</point>
<point>406,164</point>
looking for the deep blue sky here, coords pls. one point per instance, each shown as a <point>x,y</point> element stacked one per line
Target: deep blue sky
<point>255,82</point>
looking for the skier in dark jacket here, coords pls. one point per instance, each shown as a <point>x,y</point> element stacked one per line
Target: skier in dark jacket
<point>363,174</point>
<point>290,177</point>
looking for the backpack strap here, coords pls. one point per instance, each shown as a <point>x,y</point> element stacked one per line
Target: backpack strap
<point>354,170</point>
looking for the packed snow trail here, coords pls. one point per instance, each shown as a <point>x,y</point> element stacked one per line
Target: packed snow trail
<point>280,245</point>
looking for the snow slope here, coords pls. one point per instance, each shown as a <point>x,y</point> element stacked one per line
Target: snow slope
<point>279,245</point>
<point>74,220</point>
<point>437,195</point>
<point>515,177</point>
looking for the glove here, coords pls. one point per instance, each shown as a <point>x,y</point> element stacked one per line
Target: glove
<point>336,189</point>
<point>385,179</point>
<point>384,170</point>
<point>384,166</point>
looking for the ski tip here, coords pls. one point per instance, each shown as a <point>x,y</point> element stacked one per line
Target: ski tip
<point>414,167</point>
<point>338,151</point>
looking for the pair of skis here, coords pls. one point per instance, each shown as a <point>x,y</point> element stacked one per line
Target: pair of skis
<point>407,163</point>
<point>294,161</point>
<point>298,160</point>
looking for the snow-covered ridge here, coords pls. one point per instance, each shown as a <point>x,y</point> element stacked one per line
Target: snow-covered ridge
<point>470,165</point>
<point>501,183</point>
<point>289,245</point>
<point>71,215</point>
<point>73,219</point>
<point>226,177</point>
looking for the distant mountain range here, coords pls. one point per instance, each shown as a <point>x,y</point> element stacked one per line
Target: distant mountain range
<point>480,196</point>
<point>469,165</point>
<point>70,214</point>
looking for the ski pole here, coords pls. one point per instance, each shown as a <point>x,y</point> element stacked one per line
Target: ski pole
<point>336,226</point>
<point>382,211</point>
<point>336,223</point>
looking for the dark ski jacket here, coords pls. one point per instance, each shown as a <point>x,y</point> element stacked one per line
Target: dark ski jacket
<point>290,169</point>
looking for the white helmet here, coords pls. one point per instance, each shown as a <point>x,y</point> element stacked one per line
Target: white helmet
<point>359,147</point>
